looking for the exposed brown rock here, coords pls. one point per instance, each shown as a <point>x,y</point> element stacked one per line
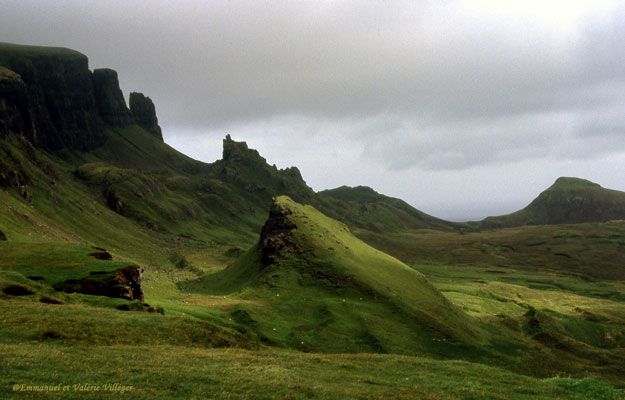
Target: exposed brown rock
<point>123,283</point>
<point>274,236</point>
<point>101,255</point>
<point>17,290</point>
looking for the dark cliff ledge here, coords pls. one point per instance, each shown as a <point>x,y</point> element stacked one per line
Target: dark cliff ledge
<point>61,100</point>
<point>144,113</point>
<point>14,112</point>
<point>109,97</point>
<point>49,96</point>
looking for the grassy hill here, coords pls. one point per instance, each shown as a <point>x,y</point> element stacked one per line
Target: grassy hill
<point>322,289</point>
<point>567,201</point>
<point>364,208</point>
<point>309,310</point>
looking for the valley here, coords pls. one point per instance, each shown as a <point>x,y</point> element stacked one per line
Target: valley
<point>123,261</point>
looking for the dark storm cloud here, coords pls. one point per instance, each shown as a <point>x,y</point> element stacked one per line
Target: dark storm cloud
<point>412,86</point>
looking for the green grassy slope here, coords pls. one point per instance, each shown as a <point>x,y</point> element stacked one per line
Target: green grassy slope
<point>567,201</point>
<point>322,289</point>
<point>587,251</point>
<point>181,372</point>
<point>544,301</point>
<point>52,263</point>
<point>363,207</point>
<point>20,50</point>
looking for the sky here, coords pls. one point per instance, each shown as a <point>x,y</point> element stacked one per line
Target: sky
<point>464,109</point>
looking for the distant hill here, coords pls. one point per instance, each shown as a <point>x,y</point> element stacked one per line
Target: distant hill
<point>364,208</point>
<point>567,201</point>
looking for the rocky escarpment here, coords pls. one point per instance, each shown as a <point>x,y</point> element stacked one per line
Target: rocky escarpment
<point>245,166</point>
<point>274,236</point>
<point>238,151</point>
<point>144,114</point>
<point>61,102</point>
<point>14,112</point>
<point>111,104</point>
<point>49,96</point>
<point>122,283</point>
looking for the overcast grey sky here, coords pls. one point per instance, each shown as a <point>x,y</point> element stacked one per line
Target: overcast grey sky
<point>462,108</point>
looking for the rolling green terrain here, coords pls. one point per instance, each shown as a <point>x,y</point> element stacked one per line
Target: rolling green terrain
<point>323,290</point>
<point>255,286</point>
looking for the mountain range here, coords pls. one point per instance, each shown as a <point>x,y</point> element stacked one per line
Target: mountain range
<point>98,213</point>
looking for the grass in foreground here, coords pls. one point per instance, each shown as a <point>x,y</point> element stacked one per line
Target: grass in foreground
<point>187,373</point>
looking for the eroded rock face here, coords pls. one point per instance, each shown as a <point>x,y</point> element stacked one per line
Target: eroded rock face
<point>50,97</point>
<point>123,283</point>
<point>144,113</point>
<point>238,151</point>
<point>60,96</point>
<point>14,108</point>
<point>109,97</point>
<point>274,236</point>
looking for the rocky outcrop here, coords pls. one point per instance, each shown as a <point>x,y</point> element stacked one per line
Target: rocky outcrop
<point>238,151</point>
<point>293,172</point>
<point>49,96</point>
<point>274,236</point>
<point>17,290</point>
<point>12,172</point>
<point>109,97</point>
<point>62,106</point>
<point>14,108</point>
<point>123,283</point>
<point>144,113</point>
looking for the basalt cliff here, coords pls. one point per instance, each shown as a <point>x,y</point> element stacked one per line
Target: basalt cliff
<point>49,96</point>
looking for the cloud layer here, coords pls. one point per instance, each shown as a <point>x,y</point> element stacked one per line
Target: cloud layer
<point>408,89</point>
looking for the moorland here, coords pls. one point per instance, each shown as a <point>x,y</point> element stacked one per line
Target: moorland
<point>128,269</point>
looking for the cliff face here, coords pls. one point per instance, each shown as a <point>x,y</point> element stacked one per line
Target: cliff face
<point>144,114</point>
<point>62,106</point>
<point>109,98</point>
<point>49,96</point>
<point>14,108</point>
